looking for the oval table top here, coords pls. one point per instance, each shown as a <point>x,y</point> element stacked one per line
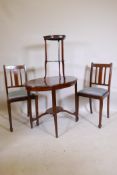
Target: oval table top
<point>50,83</point>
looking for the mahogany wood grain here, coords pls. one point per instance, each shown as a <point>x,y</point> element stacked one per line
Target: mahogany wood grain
<point>52,84</point>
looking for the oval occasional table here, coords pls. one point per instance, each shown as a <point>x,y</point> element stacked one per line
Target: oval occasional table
<point>52,84</point>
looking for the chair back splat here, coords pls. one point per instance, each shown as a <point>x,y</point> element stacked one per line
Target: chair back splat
<point>101,74</point>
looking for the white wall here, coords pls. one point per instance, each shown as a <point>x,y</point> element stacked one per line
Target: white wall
<point>90,27</point>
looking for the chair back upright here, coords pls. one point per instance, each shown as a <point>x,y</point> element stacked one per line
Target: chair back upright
<point>15,77</point>
<point>101,74</point>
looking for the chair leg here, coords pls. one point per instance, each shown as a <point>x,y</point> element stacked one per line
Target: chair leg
<point>108,106</point>
<point>90,104</point>
<point>10,118</point>
<point>36,109</point>
<point>76,103</point>
<point>28,112</point>
<point>29,101</point>
<point>78,106</point>
<point>100,113</point>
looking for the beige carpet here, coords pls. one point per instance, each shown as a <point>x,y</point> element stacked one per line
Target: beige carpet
<point>81,149</point>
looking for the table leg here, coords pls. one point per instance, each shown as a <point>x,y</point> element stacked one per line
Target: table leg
<point>76,103</point>
<point>54,111</point>
<point>30,109</point>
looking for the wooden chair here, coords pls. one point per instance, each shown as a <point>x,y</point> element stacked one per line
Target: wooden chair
<point>100,81</point>
<point>15,78</point>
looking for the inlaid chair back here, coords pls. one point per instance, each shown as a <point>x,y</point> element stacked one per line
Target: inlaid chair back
<point>101,74</point>
<point>99,88</point>
<point>15,78</point>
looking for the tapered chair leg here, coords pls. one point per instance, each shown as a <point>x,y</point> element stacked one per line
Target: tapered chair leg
<point>78,106</point>
<point>10,118</point>
<point>100,113</point>
<point>108,106</point>
<point>90,104</point>
<point>36,110</point>
<point>28,111</point>
<point>76,103</point>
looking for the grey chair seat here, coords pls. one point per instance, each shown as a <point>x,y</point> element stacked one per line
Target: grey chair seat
<point>17,94</point>
<point>95,91</point>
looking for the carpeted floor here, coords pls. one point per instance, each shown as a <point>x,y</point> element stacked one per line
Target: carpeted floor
<point>81,149</point>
